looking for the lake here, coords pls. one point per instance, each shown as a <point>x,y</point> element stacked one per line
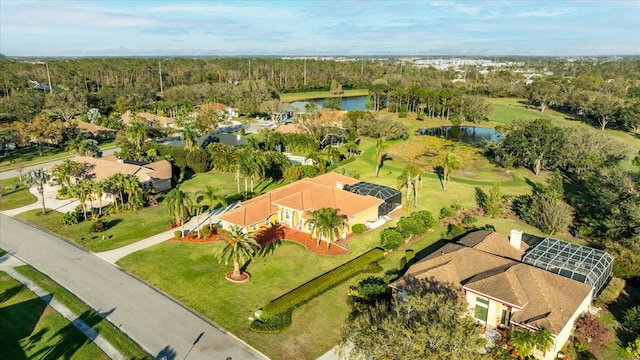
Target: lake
<point>467,134</point>
<point>348,103</point>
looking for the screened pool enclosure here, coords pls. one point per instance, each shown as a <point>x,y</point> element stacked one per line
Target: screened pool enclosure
<point>581,263</point>
<point>392,197</point>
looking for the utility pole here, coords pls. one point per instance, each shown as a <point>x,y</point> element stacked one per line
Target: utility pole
<point>48,77</point>
<point>160,72</point>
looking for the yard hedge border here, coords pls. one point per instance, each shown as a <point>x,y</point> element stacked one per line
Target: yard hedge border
<point>274,315</point>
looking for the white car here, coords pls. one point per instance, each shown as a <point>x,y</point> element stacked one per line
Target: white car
<point>264,123</point>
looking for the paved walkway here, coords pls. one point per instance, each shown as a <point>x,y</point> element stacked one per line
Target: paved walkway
<point>50,202</point>
<point>7,264</point>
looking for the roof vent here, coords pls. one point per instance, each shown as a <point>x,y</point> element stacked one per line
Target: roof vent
<point>339,184</point>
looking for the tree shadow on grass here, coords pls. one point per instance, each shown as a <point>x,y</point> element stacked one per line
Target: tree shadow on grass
<point>69,338</point>
<point>25,316</point>
<point>113,223</point>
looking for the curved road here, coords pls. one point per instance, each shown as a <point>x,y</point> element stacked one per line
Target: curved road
<point>161,326</point>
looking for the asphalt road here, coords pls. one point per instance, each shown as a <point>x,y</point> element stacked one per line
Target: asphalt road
<point>161,326</point>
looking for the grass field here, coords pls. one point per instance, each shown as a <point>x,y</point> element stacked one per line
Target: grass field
<point>291,97</point>
<point>31,156</point>
<point>15,194</point>
<point>124,228</point>
<point>31,329</point>
<point>121,342</point>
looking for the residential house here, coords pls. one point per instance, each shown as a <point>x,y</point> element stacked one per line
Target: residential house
<point>94,131</point>
<point>226,112</point>
<point>291,205</point>
<point>156,175</point>
<point>502,292</point>
<point>150,119</point>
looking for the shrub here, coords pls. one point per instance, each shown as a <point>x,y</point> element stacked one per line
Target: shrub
<point>273,324</point>
<point>631,319</point>
<point>177,234</point>
<point>454,230</point>
<point>327,281</point>
<point>205,232</point>
<point>425,217</point>
<point>358,228</point>
<point>368,292</point>
<point>410,226</point>
<point>63,193</point>
<point>198,160</point>
<point>390,239</point>
<point>70,218</point>
<point>627,263</point>
<point>99,226</point>
<point>449,210</point>
<point>611,292</point>
<point>590,329</point>
<point>468,220</point>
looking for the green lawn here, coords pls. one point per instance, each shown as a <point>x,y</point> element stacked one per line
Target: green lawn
<point>505,110</point>
<point>31,156</point>
<point>30,329</point>
<point>126,346</point>
<point>291,97</point>
<point>125,228</point>
<point>15,194</point>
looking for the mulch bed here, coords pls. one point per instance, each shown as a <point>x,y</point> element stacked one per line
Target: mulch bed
<point>274,234</point>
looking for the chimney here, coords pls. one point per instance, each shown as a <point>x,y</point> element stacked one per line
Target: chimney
<point>339,184</point>
<point>516,238</point>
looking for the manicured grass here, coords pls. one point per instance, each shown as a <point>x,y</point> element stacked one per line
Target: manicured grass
<point>505,110</point>
<point>30,329</point>
<point>291,97</point>
<point>31,156</point>
<point>16,194</point>
<point>124,228</point>
<point>121,342</point>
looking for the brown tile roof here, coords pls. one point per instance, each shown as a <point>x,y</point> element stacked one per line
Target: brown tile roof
<point>291,128</point>
<point>94,129</point>
<point>494,243</point>
<point>547,299</point>
<point>102,168</point>
<point>127,117</point>
<point>304,195</point>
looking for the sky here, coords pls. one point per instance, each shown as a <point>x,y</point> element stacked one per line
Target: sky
<point>320,27</point>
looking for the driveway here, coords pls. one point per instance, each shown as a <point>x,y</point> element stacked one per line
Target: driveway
<point>50,201</point>
<point>159,324</point>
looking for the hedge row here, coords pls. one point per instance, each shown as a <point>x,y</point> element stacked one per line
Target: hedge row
<point>319,285</point>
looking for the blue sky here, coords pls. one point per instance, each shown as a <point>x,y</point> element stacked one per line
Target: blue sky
<point>321,27</point>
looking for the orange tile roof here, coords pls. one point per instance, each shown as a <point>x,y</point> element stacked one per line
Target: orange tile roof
<point>308,194</point>
<point>127,117</point>
<point>291,128</point>
<point>102,168</point>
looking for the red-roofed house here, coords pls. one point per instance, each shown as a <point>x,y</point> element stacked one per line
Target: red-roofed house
<point>290,205</point>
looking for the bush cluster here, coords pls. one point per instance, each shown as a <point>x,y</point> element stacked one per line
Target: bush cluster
<point>632,320</point>
<point>301,295</point>
<point>273,324</point>
<point>417,223</point>
<point>611,292</point>
<point>367,293</point>
<point>358,228</point>
<point>449,210</point>
<point>99,226</point>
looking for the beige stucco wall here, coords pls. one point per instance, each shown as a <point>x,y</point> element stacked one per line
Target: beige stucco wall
<point>370,214</point>
<point>563,335</point>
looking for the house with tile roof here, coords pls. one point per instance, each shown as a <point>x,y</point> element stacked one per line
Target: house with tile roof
<point>151,119</point>
<point>156,175</point>
<point>290,205</point>
<point>502,292</point>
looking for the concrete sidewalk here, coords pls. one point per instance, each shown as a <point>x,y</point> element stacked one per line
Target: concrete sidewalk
<point>7,264</point>
<point>50,202</point>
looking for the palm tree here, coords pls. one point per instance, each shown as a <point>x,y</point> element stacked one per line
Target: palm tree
<point>37,178</point>
<point>66,170</point>
<point>195,202</point>
<point>543,340</point>
<point>525,341</point>
<point>135,195</point>
<point>210,194</point>
<point>326,222</point>
<point>190,138</point>
<point>81,192</point>
<point>177,202</point>
<point>238,247</point>
<point>380,146</point>
<point>451,162</point>
<point>98,189</point>
<point>136,133</point>
<point>410,178</point>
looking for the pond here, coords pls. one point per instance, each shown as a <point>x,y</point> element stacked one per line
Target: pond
<point>348,103</point>
<point>466,134</point>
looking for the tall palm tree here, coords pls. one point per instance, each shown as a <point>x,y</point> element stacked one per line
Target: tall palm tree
<point>196,203</point>
<point>543,340</point>
<point>66,170</point>
<point>135,195</point>
<point>451,162</point>
<point>525,341</point>
<point>81,192</point>
<point>238,247</point>
<point>210,194</point>
<point>136,133</point>
<point>326,223</point>
<point>178,203</point>
<point>410,178</point>
<point>37,178</point>
<point>98,190</point>
<point>380,146</point>
<point>190,138</point>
